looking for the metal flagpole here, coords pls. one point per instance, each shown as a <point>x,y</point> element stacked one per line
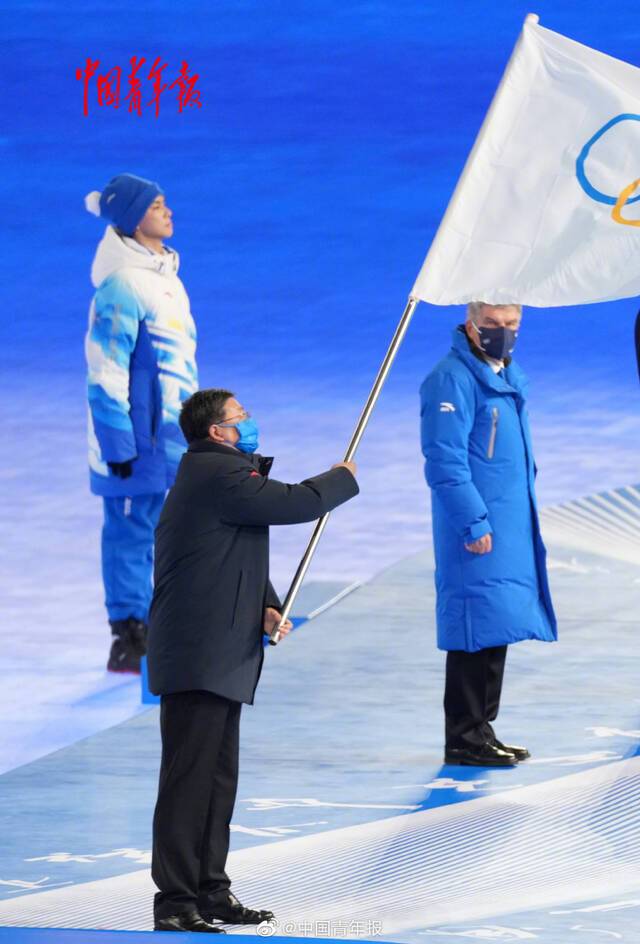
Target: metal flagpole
<point>385,367</point>
<point>532,19</point>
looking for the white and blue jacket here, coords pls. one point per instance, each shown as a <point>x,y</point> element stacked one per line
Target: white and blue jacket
<point>140,349</point>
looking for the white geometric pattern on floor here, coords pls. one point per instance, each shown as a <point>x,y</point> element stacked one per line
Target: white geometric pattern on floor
<point>572,839</point>
<point>607,523</point>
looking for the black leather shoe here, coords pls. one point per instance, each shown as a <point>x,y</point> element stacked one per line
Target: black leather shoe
<point>520,753</point>
<point>229,910</point>
<point>186,921</point>
<point>489,755</point>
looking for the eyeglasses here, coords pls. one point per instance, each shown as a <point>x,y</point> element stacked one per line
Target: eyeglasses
<point>232,420</point>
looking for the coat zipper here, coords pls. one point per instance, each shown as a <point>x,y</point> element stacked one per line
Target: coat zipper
<point>494,430</point>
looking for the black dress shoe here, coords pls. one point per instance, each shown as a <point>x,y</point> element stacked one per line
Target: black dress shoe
<point>520,753</point>
<point>488,755</point>
<point>229,910</point>
<point>186,921</point>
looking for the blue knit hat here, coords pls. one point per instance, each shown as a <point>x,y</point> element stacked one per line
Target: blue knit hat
<point>124,201</point>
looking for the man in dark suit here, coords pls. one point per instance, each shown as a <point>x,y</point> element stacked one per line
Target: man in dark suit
<point>211,604</point>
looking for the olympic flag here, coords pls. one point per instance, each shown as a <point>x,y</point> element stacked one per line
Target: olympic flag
<point>547,209</point>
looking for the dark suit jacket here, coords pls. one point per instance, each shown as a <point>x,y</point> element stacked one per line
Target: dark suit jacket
<point>211,575</point>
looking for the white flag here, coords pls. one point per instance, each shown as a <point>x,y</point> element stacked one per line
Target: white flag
<point>547,209</point>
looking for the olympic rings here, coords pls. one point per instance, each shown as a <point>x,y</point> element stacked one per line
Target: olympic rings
<point>616,202</point>
<point>623,199</point>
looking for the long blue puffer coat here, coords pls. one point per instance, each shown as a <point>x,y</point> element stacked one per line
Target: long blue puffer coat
<point>479,465</point>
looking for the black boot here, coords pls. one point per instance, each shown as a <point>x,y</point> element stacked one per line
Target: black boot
<point>129,643</point>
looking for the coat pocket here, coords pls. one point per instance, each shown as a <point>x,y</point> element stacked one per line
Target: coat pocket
<point>495,414</point>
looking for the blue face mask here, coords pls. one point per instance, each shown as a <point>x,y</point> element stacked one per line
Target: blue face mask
<point>496,342</point>
<point>248,430</point>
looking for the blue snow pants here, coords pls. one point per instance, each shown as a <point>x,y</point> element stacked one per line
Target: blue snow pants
<point>127,553</point>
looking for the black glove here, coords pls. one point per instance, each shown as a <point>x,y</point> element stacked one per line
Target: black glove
<point>122,469</point>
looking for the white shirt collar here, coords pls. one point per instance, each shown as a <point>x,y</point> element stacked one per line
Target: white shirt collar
<point>496,366</point>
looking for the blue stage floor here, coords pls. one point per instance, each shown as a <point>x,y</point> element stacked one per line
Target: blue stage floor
<point>345,811</point>
<point>86,936</point>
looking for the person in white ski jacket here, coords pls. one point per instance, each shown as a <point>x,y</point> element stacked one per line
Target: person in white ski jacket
<point>140,349</point>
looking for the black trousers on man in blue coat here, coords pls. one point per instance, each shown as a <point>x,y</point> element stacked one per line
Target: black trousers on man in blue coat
<point>472,696</point>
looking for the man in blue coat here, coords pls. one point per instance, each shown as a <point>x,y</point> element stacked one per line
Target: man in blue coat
<point>491,579</point>
<point>140,349</point>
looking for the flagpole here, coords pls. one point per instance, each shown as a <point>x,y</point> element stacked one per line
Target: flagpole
<point>361,425</point>
<point>414,299</point>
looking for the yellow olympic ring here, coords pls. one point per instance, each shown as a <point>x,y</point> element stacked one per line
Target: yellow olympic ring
<point>616,213</point>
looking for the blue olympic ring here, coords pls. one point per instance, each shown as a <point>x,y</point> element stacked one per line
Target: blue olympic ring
<point>588,188</point>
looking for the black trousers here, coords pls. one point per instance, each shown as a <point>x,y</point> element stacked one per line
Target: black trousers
<point>196,794</point>
<point>472,695</point>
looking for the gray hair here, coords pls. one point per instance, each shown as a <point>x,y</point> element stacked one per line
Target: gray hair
<point>474,308</point>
